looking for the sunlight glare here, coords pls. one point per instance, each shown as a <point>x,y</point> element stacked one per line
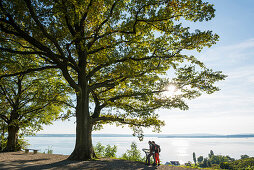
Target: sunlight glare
<point>170,91</point>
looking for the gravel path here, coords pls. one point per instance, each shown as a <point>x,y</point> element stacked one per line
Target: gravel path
<point>30,161</point>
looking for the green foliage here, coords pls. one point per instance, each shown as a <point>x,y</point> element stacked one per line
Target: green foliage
<point>225,165</point>
<point>225,162</point>
<point>49,150</point>
<point>210,154</point>
<point>110,152</point>
<point>244,156</point>
<point>133,154</point>
<point>246,163</point>
<point>194,158</point>
<point>217,159</point>
<point>99,149</point>
<point>200,159</point>
<point>3,142</point>
<point>206,163</point>
<point>21,143</point>
<point>30,100</point>
<point>117,51</point>
<point>102,151</point>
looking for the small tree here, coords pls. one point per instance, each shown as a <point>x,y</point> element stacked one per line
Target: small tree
<point>217,159</point>
<point>200,159</point>
<point>205,163</point>
<point>244,156</point>
<point>133,154</point>
<point>210,154</point>
<point>99,149</point>
<point>194,158</point>
<point>110,152</point>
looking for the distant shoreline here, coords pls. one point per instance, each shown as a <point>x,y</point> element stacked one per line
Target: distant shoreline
<point>152,135</point>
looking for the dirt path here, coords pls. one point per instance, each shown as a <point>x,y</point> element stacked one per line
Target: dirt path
<point>20,160</point>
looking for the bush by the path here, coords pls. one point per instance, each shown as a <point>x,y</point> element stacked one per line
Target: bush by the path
<point>246,163</point>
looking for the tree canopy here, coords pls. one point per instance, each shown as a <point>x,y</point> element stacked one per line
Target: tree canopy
<point>29,100</point>
<point>115,54</point>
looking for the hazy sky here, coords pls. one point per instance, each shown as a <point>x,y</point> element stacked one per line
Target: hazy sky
<point>229,111</point>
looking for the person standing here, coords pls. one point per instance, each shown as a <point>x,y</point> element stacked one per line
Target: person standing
<point>151,153</point>
<point>157,150</point>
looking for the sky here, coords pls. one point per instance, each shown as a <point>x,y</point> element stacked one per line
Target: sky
<point>228,111</point>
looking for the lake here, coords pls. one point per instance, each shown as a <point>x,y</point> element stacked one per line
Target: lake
<point>178,149</point>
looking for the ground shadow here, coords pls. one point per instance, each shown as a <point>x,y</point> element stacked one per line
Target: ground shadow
<point>33,160</point>
<point>93,165</point>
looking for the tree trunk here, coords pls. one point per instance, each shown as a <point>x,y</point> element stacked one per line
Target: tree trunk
<point>83,147</point>
<point>12,139</point>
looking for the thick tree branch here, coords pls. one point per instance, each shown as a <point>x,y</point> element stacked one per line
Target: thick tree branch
<point>108,83</point>
<point>106,46</point>
<point>67,20</point>
<point>5,118</point>
<point>69,79</point>
<point>21,52</point>
<point>120,120</point>
<point>70,58</point>
<point>28,71</point>
<point>134,95</point>
<point>104,118</point>
<point>82,21</point>
<point>97,107</point>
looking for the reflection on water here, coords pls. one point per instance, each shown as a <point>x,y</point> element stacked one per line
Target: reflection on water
<point>178,149</point>
<point>181,146</point>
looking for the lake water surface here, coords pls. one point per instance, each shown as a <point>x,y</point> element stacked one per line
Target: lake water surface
<point>178,149</point>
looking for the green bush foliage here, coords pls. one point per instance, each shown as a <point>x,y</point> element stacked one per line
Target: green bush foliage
<point>99,149</point>
<point>133,154</point>
<point>225,162</point>
<point>247,163</point>
<point>244,156</point>
<point>200,159</point>
<point>110,152</point>
<point>217,159</point>
<point>102,151</point>
<point>21,143</point>
<point>225,165</point>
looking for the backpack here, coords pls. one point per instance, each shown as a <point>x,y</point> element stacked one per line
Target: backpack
<point>157,148</point>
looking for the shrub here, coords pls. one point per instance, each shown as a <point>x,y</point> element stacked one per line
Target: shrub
<point>102,151</point>
<point>225,165</point>
<point>247,163</point>
<point>133,154</point>
<point>49,150</point>
<point>110,152</point>
<point>21,143</point>
<point>200,159</point>
<point>217,159</point>
<point>244,156</point>
<point>99,149</point>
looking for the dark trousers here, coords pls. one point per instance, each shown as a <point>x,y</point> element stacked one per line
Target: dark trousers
<point>149,157</point>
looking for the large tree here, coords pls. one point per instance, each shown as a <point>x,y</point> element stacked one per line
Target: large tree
<point>115,55</point>
<point>29,100</point>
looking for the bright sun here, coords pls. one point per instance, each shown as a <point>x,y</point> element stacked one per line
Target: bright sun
<point>171,90</point>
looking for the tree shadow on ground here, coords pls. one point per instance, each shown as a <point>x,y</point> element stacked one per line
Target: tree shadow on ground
<point>27,161</point>
<point>92,165</point>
